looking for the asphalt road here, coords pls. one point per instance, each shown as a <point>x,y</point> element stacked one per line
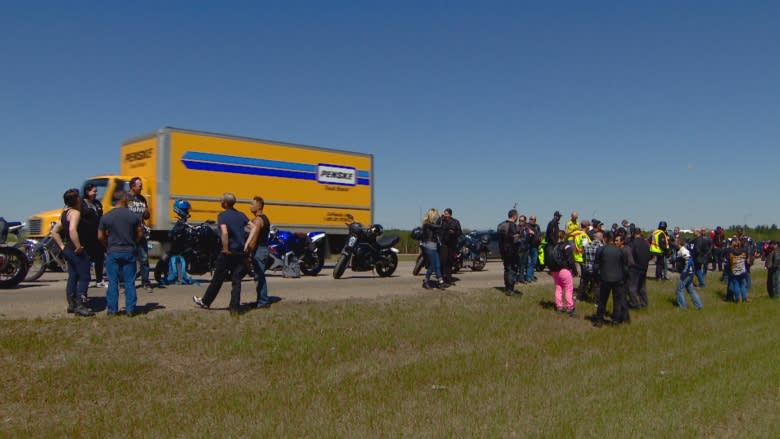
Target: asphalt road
<point>45,298</point>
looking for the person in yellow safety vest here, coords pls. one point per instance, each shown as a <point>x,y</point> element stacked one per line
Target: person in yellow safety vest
<point>659,246</point>
<point>580,239</point>
<point>572,225</point>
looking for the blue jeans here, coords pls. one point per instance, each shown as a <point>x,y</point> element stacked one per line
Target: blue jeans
<point>434,266</point>
<point>700,271</point>
<point>533,256</point>
<point>78,272</point>
<point>142,254</point>
<point>120,263</point>
<point>686,283</point>
<point>258,263</point>
<point>738,287</point>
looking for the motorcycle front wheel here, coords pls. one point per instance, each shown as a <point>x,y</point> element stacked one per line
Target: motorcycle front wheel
<point>35,258</point>
<point>340,267</point>
<point>479,263</point>
<point>419,264</point>
<point>387,265</point>
<point>13,267</point>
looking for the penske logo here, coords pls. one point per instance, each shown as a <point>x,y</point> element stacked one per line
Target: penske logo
<point>138,155</point>
<point>331,174</point>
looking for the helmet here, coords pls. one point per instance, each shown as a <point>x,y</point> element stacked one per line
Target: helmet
<point>377,229</point>
<point>182,208</point>
<point>662,225</point>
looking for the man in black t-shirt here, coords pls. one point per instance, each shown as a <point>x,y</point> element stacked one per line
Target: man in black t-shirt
<point>450,232</point>
<point>232,224</point>
<point>138,205</point>
<point>120,230</point>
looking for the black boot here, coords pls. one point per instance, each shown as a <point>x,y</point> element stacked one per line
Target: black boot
<point>82,310</point>
<point>71,303</point>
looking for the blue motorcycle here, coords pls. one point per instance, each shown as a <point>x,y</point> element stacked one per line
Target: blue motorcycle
<point>288,251</point>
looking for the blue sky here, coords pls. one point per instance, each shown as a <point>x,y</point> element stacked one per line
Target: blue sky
<point>638,110</point>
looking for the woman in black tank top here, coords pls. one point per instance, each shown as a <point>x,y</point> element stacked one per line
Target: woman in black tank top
<point>69,234</point>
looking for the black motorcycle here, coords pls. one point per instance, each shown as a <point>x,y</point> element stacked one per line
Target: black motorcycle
<point>366,250</point>
<point>13,262</point>
<point>198,245</point>
<point>470,251</point>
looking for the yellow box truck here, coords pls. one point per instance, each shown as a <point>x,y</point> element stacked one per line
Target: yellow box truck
<point>305,187</point>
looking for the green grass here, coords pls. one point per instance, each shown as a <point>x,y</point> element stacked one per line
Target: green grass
<point>443,364</point>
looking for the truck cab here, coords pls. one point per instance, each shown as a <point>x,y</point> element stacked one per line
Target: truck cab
<point>40,224</point>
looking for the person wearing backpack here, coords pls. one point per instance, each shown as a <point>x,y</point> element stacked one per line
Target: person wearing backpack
<point>560,260</point>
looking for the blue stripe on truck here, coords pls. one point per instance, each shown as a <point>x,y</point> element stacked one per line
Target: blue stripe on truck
<point>202,161</point>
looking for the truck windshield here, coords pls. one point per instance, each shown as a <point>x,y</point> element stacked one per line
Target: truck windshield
<point>120,185</point>
<point>101,184</point>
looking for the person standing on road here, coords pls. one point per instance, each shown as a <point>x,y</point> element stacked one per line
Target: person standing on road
<point>257,246</point>
<point>507,236</point>
<point>553,228</point>
<point>231,260</point>
<point>450,233</point>
<point>138,205</point>
<point>429,243</point>
<point>523,246</point>
<point>120,230</point>
<point>533,254</point>
<point>92,211</point>
<point>572,225</point>
<point>69,234</point>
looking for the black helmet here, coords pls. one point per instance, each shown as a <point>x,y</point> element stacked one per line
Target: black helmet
<point>662,225</point>
<point>377,229</point>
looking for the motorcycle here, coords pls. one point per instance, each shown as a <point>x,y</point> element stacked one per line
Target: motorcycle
<point>13,262</point>
<point>201,244</point>
<point>470,251</point>
<point>286,249</point>
<point>366,250</point>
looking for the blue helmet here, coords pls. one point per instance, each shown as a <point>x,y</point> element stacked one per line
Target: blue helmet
<point>182,208</point>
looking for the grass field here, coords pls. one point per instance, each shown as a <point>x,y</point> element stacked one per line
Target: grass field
<point>442,364</point>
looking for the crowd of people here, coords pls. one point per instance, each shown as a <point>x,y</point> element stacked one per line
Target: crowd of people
<point>118,241</point>
<point>614,262</point>
<point>611,262</point>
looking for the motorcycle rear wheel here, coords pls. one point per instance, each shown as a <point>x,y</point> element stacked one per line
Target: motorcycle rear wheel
<point>309,270</point>
<point>13,267</point>
<point>479,263</point>
<point>340,267</point>
<point>419,264</point>
<point>387,267</point>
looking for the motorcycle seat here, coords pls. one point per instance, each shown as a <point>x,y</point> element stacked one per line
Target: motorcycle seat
<point>388,241</point>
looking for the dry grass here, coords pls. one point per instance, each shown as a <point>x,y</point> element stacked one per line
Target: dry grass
<point>446,364</point>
